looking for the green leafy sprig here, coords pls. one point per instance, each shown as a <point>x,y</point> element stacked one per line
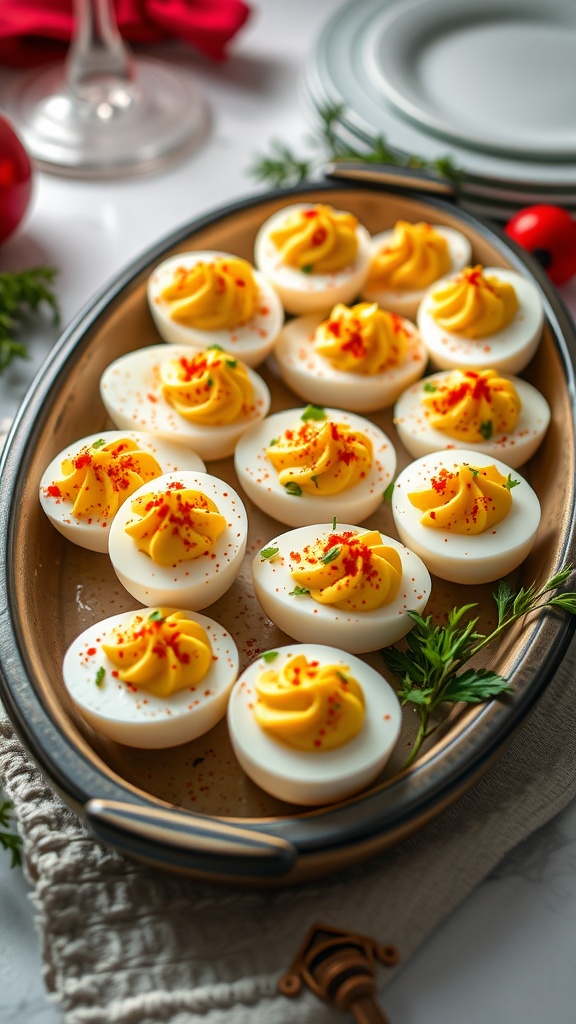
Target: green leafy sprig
<point>20,291</point>
<point>9,840</point>
<point>282,167</point>
<point>430,670</point>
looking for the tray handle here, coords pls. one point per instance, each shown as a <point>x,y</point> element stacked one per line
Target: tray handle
<point>413,178</point>
<point>202,844</point>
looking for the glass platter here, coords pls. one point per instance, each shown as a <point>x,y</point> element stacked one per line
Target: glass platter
<point>191,808</point>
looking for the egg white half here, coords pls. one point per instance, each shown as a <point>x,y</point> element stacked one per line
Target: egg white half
<point>316,777</point>
<point>307,293</point>
<point>129,714</point>
<point>301,617</point>
<point>131,390</point>
<point>93,533</point>
<point>259,479</point>
<point>251,342</point>
<point>510,350</point>
<point>400,300</point>
<point>194,583</point>
<point>313,377</point>
<point>514,448</point>
<point>463,558</point>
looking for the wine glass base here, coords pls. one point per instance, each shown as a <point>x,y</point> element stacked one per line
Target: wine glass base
<point>144,126</point>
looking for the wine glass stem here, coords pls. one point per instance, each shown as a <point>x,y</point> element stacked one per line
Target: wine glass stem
<point>99,67</point>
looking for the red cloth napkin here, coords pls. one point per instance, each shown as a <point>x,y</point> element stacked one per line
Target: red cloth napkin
<point>32,31</point>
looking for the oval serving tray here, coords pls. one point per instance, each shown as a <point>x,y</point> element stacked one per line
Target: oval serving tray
<point>191,808</point>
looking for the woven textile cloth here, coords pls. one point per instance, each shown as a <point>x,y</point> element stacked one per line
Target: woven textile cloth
<point>126,944</point>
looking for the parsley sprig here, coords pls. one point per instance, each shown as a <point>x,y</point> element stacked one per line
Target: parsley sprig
<point>430,671</point>
<point>282,167</point>
<point>20,291</point>
<point>9,840</point>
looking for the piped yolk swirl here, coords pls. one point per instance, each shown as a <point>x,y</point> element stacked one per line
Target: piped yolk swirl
<point>352,571</point>
<point>474,304</point>
<point>210,388</point>
<point>469,501</point>
<point>101,476</point>
<point>220,295</point>
<point>472,405</point>
<point>413,259</point>
<point>162,653</point>
<point>362,339</point>
<point>320,458</point>
<point>309,706</point>
<point>318,240</point>
<point>175,525</point>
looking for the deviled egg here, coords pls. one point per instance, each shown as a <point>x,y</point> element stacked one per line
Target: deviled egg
<point>407,259</point>
<point>152,678</point>
<point>466,515</point>
<point>311,725</point>
<point>179,540</point>
<point>360,358</point>
<point>482,318</point>
<point>214,298</point>
<point>313,255</point>
<point>307,465</point>
<point>340,585</point>
<point>202,399</point>
<point>83,487</point>
<point>482,410</point>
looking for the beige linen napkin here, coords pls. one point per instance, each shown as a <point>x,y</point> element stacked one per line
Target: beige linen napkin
<point>126,944</point>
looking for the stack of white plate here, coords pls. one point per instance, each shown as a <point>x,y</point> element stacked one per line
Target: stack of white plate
<point>490,84</point>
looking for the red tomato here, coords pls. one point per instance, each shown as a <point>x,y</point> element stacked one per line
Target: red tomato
<point>15,180</point>
<point>549,233</point>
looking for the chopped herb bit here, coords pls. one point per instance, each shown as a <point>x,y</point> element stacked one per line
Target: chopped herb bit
<point>342,675</point>
<point>100,676</point>
<point>99,443</point>
<point>334,523</point>
<point>273,442</point>
<point>389,491</point>
<point>298,592</point>
<point>314,480</point>
<point>330,555</point>
<point>293,488</point>
<point>209,383</point>
<point>232,363</point>
<point>215,346</point>
<point>269,655</point>
<point>474,472</point>
<point>486,430</point>
<point>430,388</point>
<point>156,616</point>
<point>313,412</point>
<point>510,483</point>
<point>308,268</point>
<point>268,553</point>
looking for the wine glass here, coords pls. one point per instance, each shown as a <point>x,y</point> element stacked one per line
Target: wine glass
<point>105,113</point>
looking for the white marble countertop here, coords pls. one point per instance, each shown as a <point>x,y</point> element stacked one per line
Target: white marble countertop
<point>507,954</point>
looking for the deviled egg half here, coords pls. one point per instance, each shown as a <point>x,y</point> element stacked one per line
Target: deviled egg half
<point>152,678</point>
<point>312,725</point>
<point>313,255</point>
<point>179,541</point>
<point>483,410</point>
<point>466,514</point>
<point>83,487</point>
<point>202,399</point>
<point>482,318</point>
<point>340,585</point>
<point>407,259</point>
<point>360,358</point>
<point>307,465</point>
<point>214,298</point>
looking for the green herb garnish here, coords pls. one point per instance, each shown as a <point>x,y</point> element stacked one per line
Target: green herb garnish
<point>100,676</point>
<point>314,480</point>
<point>330,555</point>
<point>510,483</point>
<point>9,840</point>
<point>313,412</point>
<point>25,290</point>
<point>430,388</point>
<point>334,523</point>
<point>232,363</point>
<point>430,670</point>
<point>298,592</point>
<point>98,444</point>
<point>156,616</point>
<point>308,268</point>
<point>269,655</point>
<point>389,491</point>
<point>293,488</point>
<point>486,430</point>
<point>268,553</point>
<point>273,442</point>
<point>215,346</point>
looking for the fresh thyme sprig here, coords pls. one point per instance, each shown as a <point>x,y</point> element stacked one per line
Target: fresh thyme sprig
<point>430,670</point>
<point>24,289</point>
<point>283,167</point>
<point>9,840</point>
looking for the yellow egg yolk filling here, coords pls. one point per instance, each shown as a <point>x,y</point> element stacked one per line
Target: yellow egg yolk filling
<point>351,571</point>
<point>472,405</point>
<point>176,525</point>
<point>413,259</point>
<point>161,653</point>
<point>362,339</point>
<point>317,240</point>
<point>469,501</point>
<point>309,706</point>
<point>320,458</point>
<point>209,388</point>
<point>101,476</point>
<point>221,295</point>
<point>474,304</point>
